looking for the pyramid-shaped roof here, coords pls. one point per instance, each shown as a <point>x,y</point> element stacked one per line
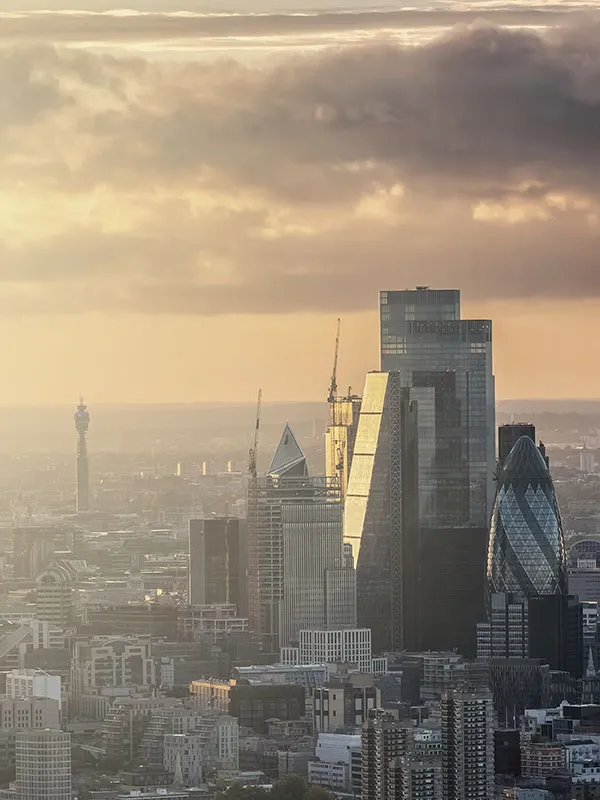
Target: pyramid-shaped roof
<point>289,460</point>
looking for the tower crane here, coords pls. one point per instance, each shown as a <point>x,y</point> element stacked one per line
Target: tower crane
<point>254,447</point>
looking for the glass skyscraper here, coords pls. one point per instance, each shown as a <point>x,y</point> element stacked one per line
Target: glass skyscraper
<point>526,556</point>
<point>446,362</point>
<point>381,516</point>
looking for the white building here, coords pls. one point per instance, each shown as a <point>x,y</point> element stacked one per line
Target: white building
<point>351,646</point>
<point>183,757</point>
<point>334,757</point>
<point>43,765</point>
<point>32,683</point>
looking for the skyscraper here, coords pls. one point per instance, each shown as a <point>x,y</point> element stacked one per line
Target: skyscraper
<point>217,570</point>
<point>381,514</point>
<point>467,744</point>
<point>82,423</point>
<point>446,362</point>
<point>509,434</point>
<point>43,765</point>
<point>526,555</point>
<point>384,739</point>
<point>294,549</point>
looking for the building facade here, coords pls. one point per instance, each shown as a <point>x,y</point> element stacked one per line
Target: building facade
<point>217,569</point>
<point>351,646</point>
<point>381,514</point>
<point>384,740</point>
<point>526,556</point>
<point>467,744</point>
<point>43,765</point>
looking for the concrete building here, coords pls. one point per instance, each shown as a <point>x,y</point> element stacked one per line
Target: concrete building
<point>384,739</point>
<point>467,744</point>
<point>542,759</point>
<point>344,704</point>
<point>54,595</point>
<point>307,674</point>
<point>30,712</point>
<point>21,683</point>
<point>43,765</point>
<point>416,779</point>
<point>335,755</point>
<point>183,757</point>
<point>351,646</point>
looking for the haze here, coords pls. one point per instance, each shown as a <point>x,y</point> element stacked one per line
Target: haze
<point>188,201</point>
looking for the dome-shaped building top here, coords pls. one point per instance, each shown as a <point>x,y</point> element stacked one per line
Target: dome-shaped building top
<point>526,555</point>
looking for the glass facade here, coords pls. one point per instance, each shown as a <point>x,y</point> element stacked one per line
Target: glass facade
<point>526,556</point>
<point>381,513</point>
<point>446,362</point>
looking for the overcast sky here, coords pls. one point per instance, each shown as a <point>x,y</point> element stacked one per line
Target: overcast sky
<point>189,202</point>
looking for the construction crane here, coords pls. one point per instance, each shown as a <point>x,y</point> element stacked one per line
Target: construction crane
<point>332,397</point>
<point>254,448</point>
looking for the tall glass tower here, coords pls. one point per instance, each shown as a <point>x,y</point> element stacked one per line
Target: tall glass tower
<point>446,362</point>
<point>526,556</point>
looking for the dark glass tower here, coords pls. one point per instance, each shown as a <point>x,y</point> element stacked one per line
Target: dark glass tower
<point>526,555</point>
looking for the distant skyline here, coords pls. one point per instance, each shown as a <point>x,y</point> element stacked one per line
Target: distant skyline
<point>184,217</point>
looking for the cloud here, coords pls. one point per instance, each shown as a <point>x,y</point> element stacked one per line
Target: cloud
<point>218,188</point>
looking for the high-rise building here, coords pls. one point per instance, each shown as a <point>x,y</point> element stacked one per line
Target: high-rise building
<point>467,744</point>
<point>217,569</point>
<point>340,437</point>
<point>43,765</point>
<point>416,778</point>
<point>82,424</point>
<point>381,514</point>
<point>446,362</point>
<point>509,434</point>
<point>295,550</point>
<point>526,555</point>
<point>384,740</point>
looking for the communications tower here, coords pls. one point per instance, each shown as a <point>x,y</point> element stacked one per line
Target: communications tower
<point>82,423</point>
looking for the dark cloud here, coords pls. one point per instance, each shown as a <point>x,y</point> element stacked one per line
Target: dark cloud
<point>470,161</point>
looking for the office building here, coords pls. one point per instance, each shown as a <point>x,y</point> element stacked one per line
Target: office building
<point>340,438</point>
<point>526,556</point>
<point>217,569</point>
<point>445,363</point>
<point>509,434</point>
<point>54,595</point>
<point>289,511</point>
<point>43,765</point>
<point>344,704</point>
<point>254,704</point>
<point>384,739</point>
<point>351,646</point>
<point>381,514</point>
<point>335,756</point>
<point>82,424</point>
<point>467,744</point>
<point>314,578</point>
<point>32,683</point>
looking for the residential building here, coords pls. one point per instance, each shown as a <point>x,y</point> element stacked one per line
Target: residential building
<point>467,744</point>
<point>43,765</point>
<point>416,779</point>
<point>183,757</point>
<point>381,514</point>
<point>384,739</point>
<point>335,755</point>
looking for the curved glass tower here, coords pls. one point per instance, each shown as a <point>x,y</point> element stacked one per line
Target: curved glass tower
<point>526,556</point>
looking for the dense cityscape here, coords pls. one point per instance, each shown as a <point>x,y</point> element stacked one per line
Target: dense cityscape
<point>385,603</point>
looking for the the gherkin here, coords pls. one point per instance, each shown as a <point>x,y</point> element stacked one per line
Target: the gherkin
<point>526,555</point>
